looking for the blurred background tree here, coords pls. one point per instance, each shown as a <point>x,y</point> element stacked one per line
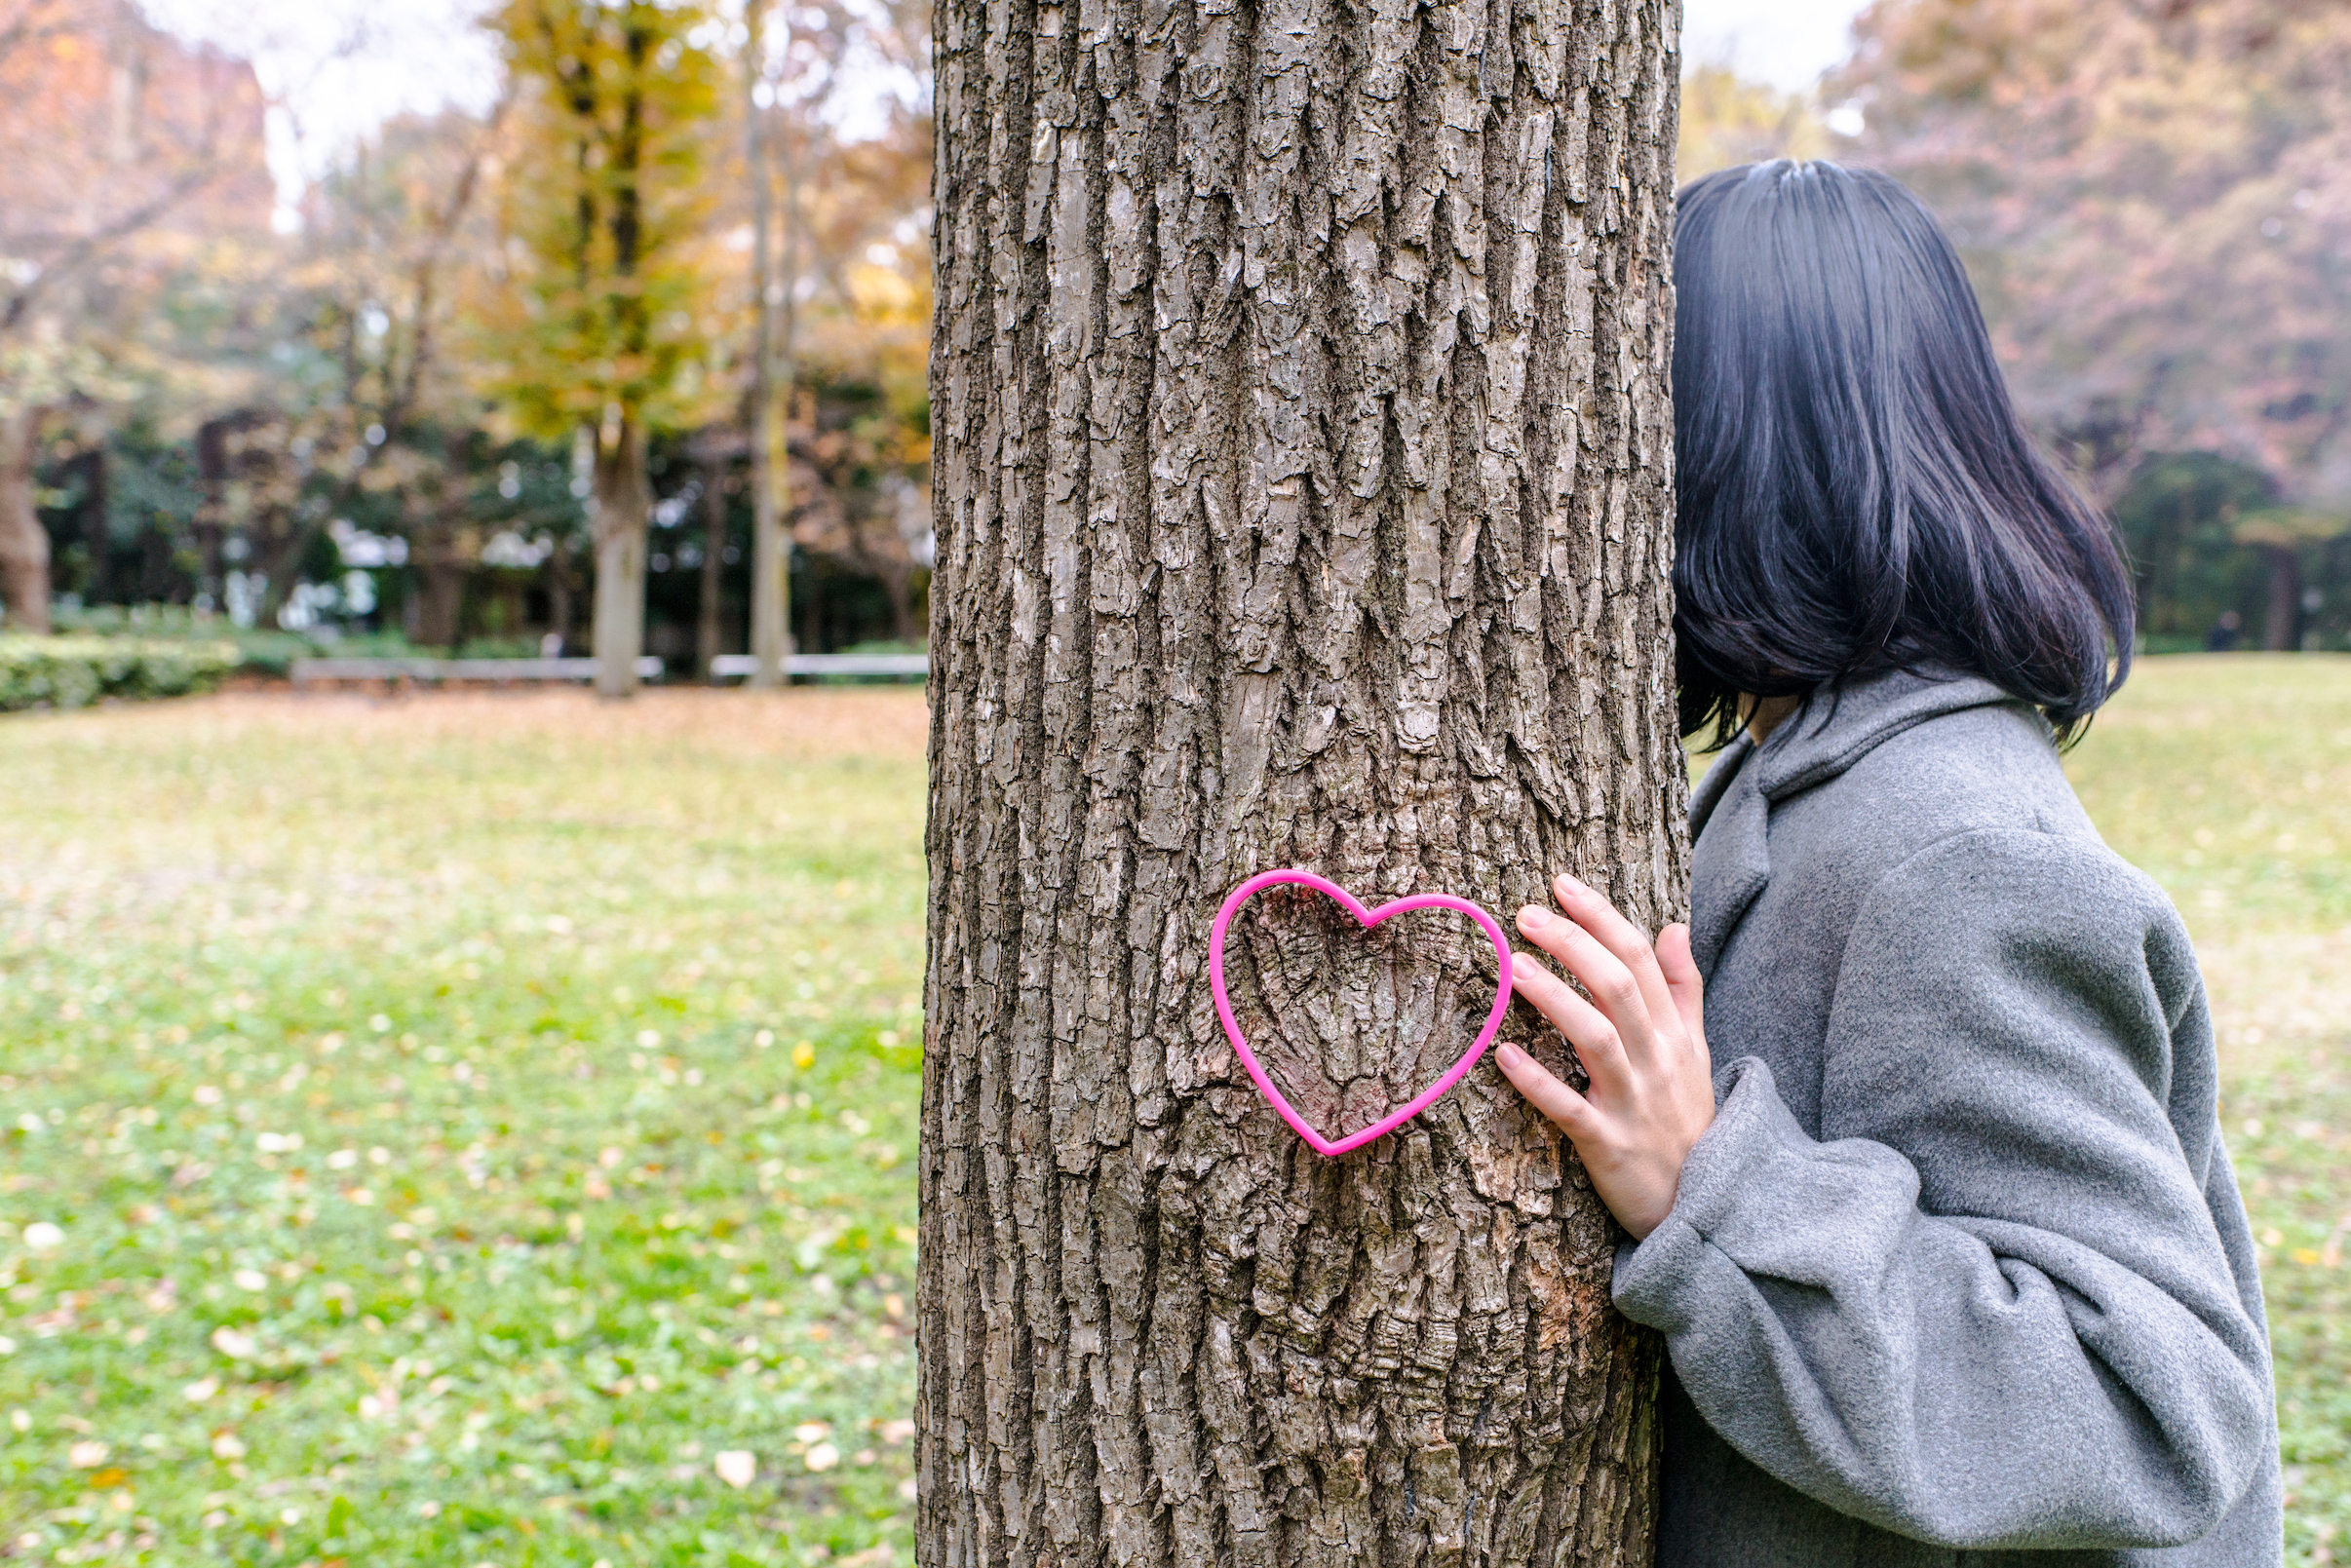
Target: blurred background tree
<point>2156,203</point>
<point>363,419</point>
<point>1729,120</point>
<point>354,411</point>
<point>110,129</point>
<point>593,331</point>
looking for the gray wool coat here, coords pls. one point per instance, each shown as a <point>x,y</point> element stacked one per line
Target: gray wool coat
<point>1959,1274</point>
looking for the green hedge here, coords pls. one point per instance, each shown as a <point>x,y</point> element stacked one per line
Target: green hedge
<point>74,671</point>
<point>266,651</point>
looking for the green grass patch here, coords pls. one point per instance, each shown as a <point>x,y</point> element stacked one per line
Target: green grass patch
<point>435,1131</point>
<point>2228,780</point>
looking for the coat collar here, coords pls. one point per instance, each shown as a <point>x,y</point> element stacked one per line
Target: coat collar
<point>1837,726</point>
<point>1730,811</point>
<point>1718,781</point>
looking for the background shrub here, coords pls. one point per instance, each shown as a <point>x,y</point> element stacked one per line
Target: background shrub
<point>73,672</point>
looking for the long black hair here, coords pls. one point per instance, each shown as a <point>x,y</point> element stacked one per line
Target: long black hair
<point>1857,492</point>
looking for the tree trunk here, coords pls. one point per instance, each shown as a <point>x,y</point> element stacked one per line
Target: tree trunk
<point>771,457</point>
<point>624,500</point>
<point>96,536</point>
<point>439,596</point>
<point>24,542</point>
<point>440,577</point>
<point>898,593</point>
<point>706,622</point>
<point>771,550</point>
<point>1302,477</point>
<point>559,593</point>
<point>442,560</point>
<point>2282,600</point>
<point>212,513</point>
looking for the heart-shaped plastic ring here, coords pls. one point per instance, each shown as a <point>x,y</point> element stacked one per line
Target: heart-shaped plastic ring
<point>1368,918</point>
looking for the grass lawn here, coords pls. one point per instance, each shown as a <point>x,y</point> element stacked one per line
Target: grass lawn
<point>438,1131</point>
<point>2228,780</point>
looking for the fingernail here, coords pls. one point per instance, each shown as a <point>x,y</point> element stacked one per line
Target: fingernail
<point>1570,884</point>
<point>1531,916</point>
<point>1510,1056</point>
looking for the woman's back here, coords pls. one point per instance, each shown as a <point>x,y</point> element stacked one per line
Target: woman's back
<point>1960,1266</point>
<point>1949,1261</point>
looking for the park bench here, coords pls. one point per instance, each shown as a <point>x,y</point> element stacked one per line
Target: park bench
<point>307,672</point>
<point>894,666</point>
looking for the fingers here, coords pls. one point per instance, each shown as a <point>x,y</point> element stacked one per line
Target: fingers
<point>1555,1099</point>
<point>1613,985</point>
<point>1624,941</point>
<point>1598,1046</point>
<point>1683,980</point>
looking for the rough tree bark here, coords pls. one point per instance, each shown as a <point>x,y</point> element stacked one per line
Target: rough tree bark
<point>1302,498</point>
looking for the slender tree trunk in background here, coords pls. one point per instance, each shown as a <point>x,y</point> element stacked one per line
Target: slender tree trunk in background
<point>559,593</point>
<point>2282,600</point>
<point>160,581</point>
<point>624,501</point>
<point>771,550</point>
<point>96,536</point>
<point>280,563</point>
<point>439,596</point>
<point>714,563</point>
<point>1302,467</point>
<point>771,462</point>
<point>898,593</point>
<point>24,542</point>
<point>442,566</point>
<point>211,475</point>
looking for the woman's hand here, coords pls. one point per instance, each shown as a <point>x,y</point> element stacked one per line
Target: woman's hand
<point>1652,1090</point>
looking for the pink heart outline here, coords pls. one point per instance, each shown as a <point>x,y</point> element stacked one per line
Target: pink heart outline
<point>1368,918</point>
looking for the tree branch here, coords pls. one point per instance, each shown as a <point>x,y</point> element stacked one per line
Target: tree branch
<point>82,250</point>
<point>428,264</point>
<point>402,403</point>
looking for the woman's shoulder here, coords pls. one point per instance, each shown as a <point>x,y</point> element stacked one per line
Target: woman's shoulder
<point>1970,817</point>
<point>1989,766</point>
<point>1974,801</point>
<point>1993,766</point>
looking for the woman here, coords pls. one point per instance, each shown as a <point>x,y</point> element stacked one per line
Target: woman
<point>1948,1258</point>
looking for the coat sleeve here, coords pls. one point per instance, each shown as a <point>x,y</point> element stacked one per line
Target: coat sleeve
<point>1989,1307</point>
